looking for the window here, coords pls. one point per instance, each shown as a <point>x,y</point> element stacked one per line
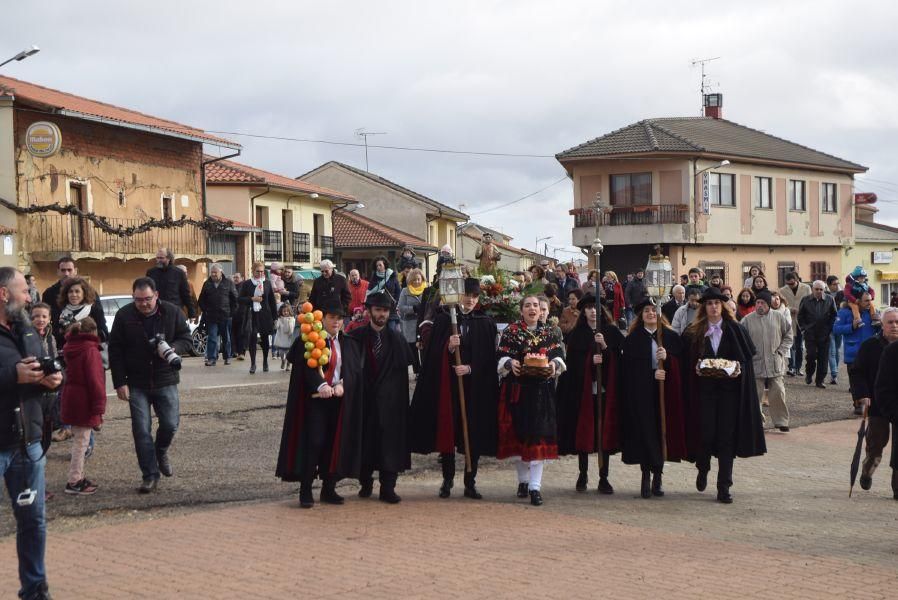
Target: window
<point>886,295</point>
<point>746,267</point>
<point>819,270</point>
<point>261,222</point>
<point>723,189</point>
<point>830,204</point>
<point>166,207</point>
<point>783,269</point>
<point>318,222</point>
<point>763,192</point>
<point>796,195</point>
<point>713,268</point>
<point>632,189</point>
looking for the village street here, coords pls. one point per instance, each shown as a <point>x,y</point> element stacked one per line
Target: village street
<point>223,525</point>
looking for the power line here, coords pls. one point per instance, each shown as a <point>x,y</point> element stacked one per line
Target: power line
<point>554,183</point>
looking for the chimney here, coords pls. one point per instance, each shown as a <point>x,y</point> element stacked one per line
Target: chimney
<point>714,106</point>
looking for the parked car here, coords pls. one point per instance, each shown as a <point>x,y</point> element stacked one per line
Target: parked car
<point>112,304</point>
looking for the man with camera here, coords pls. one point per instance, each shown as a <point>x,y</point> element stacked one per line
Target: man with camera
<point>24,375</point>
<point>146,338</point>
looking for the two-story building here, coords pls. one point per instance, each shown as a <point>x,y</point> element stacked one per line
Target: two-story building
<point>276,218</point>
<point>105,161</point>
<point>393,205</point>
<point>875,248</point>
<point>714,194</point>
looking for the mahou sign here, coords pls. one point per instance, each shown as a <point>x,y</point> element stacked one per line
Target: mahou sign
<point>43,139</point>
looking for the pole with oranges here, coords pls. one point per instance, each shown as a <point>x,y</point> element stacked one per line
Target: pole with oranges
<point>314,338</point>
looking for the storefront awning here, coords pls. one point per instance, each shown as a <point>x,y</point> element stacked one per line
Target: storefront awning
<point>887,275</point>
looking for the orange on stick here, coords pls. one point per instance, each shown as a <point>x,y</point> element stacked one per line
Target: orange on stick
<point>307,307</point>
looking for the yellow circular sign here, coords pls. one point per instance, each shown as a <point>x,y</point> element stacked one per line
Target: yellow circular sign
<point>43,139</point>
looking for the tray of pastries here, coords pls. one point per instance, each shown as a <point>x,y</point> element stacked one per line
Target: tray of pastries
<point>536,365</point>
<point>718,367</point>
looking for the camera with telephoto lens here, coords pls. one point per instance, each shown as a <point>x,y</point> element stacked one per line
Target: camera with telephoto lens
<point>165,351</point>
<point>50,364</point>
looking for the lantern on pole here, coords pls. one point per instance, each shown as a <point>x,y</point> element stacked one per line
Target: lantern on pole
<point>658,275</point>
<point>452,288</point>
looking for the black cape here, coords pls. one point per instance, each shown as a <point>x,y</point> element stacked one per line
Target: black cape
<point>575,403</point>
<point>735,344</point>
<point>434,416</point>
<point>346,455</point>
<point>384,402</point>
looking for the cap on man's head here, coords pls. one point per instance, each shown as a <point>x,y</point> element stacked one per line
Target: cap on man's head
<point>764,295</point>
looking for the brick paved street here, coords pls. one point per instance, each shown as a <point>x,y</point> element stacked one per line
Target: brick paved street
<point>792,533</point>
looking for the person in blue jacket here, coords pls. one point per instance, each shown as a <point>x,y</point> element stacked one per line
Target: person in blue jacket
<point>853,335</point>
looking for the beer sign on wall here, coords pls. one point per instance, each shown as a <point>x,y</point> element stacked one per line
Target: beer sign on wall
<point>43,139</point>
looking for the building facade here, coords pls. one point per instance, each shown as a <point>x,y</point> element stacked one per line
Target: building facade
<point>470,236</point>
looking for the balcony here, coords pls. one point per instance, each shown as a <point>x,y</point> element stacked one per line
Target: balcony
<point>665,223</point>
<point>50,236</point>
<point>326,243</point>
<point>272,245</point>
<point>300,247</point>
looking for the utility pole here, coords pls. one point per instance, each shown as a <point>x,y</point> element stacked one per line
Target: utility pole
<point>360,132</point>
<point>706,85</point>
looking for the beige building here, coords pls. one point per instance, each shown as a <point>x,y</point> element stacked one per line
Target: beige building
<point>470,236</point>
<point>276,218</point>
<point>875,248</point>
<point>776,204</point>
<point>393,205</point>
<point>105,161</point>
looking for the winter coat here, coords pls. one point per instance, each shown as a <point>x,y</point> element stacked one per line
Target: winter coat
<point>171,283</point>
<point>772,336</point>
<point>218,303</point>
<point>265,317</point>
<point>793,301</point>
<point>84,393</point>
<point>334,289</point>
<point>816,318</point>
<point>636,292</point>
<point>851,337</point>
<point>408,308</point>
<point>357,294</point>
<point>683,318</point>
<point>283,332</point>
<point>15,344</point>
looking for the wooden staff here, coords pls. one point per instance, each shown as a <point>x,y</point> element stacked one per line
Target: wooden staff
<point>661,411</point>
<point>461,393</point>
<point>601,456</point>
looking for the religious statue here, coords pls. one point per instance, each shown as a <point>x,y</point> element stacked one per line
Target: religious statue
<point>488,254</point>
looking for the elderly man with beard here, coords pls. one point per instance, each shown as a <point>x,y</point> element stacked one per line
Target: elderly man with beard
<point>21,417</point>
<point>171,282</point>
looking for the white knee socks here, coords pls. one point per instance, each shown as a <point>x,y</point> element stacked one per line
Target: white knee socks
<point>530,473</point>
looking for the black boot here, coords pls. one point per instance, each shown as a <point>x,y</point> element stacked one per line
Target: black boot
<point>701,480</point>
<point>367,488</point>
<point>305,495</point>
<point>645,488</point>
<point>448,463</point>
<point>657,490</point>
<point>894,481</point>
<point>723,494</point>
<point>604,484</point>
<point>522,490</point>
<point>329,493</point>
<point>724,479</point>
<point>536,499</point>
<point>265,362</point>
<point>583,479</point>
<point>470,483</point>
<point>388,488</point>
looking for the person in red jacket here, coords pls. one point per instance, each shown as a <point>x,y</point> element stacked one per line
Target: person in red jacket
<point>83,397</point>
<point>358,289</point>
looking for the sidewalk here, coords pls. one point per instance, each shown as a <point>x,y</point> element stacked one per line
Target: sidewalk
<point>792,533</point>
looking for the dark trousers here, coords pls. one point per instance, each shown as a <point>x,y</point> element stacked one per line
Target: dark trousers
<point>852,377</point>
<point>818,355</point>
<point>416,360</point>
<point>263,340</point>
<point>877,438</point>
<point>387,478</point>
<point>322,415</point>
<point>797,351</point>
<point>718,436</point>
<point>448,462</point>
<point>583,459</point>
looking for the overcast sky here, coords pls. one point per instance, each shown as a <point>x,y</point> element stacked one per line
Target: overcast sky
<point>515,77</point>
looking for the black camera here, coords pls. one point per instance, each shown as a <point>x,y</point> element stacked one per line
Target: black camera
<point>165,351</point>
<point>50,365</point>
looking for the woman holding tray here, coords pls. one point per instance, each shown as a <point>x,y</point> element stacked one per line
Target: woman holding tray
<point>723,399</point>
<point>530,357</point>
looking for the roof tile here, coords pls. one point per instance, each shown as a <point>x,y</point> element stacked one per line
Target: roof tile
<point>230,172</point>
<point>352,230</point>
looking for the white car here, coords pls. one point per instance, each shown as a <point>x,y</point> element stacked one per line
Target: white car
<point>111,305</point>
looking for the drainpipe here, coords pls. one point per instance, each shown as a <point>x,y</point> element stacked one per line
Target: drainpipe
<point>203,177</point>
<point>252,216</point>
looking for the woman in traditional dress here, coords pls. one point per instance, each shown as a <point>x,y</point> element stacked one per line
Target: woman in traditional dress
<point>639,390</point>
<point>577,398</point>
<point>527,419</point>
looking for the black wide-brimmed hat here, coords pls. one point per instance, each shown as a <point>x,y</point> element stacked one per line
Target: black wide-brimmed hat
<point>332,306</point>
<point>472,286</point>
<point>639,307</point>
<point>586,300</point>
<point>713,293</point>
<point>379,299</point>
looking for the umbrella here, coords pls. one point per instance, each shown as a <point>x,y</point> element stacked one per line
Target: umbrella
<point>856,459</point>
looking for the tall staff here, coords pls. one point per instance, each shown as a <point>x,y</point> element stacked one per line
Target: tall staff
<point>597,248</point>
<point>452,286</point>
<point>659,277</point>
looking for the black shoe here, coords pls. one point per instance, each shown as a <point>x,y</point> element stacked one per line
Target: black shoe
<point>472,493</point>
<point>252,369</point>
<point>866,482</point>
<point>807,379</point>
<point>657,490</point>
<point>605,486</point>
<point>41,593</point>
<point>790,373</point>
<point>536,499</point>
<point>148,485</point>
<point>367,489</point>
<point>645,488</point>
<point>821,385</point>
<point>227,361</point>
<point>305,497</point>
<point>446,488</point>
<point>701,480</point>
<point>522,490</point>
<point>265,368</point>
<point>389,496</point>
<point>164,464</point>
<point>723,496</point>
<point>784,429</point>
<point>329,494</point>
<point>833,381</point>
<point>582,480</point>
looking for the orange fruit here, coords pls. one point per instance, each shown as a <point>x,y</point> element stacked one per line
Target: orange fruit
<point>320,343</point>
<point>316,353</point>
<point>312,363</point>
<point>313,336</point>
<point>307,307</point>
<point>318,315</point>
<point>305,328</point>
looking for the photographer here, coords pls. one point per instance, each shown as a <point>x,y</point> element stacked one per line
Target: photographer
<point>143,357</point>
<point>24,377</point>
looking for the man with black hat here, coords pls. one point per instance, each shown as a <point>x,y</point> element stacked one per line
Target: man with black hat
<point>384,399</point>
<point>771,334</point>
<point>725,414</point>
<point>435,415</point>
<point>320,403</point>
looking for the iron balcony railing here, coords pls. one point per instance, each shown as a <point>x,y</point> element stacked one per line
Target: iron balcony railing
<point>273,244</point>
<point>301,247</point>
<point>70,233</point>
<point>327,247</point>
<point>649,214</point>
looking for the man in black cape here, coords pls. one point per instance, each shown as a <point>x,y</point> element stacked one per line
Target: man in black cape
<point>577,399</point>
<point>384,407</point>
<point>724,413</point>
<point>435,416</point>
<point>322,424</point>
<point>875,384</point>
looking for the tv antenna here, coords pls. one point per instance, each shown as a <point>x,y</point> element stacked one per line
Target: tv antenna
<point>706,85</point>
<point>360,132</point>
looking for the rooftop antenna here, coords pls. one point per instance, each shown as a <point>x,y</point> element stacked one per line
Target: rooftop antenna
<point>360,132</point>
<point>706,85</point>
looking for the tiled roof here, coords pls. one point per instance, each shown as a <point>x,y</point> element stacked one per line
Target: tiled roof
<point>236,225</point>
<point>448,210</point>
<point>699,135</point>
<point>78,107</point>
<point>352,230</point>
<point>230,172</point>
<point>519,251</point>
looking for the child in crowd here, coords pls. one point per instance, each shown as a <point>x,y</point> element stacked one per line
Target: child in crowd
<point>283,333</point>
<point>83,397</point>
<point>855,287</point>
<point>40,319</point>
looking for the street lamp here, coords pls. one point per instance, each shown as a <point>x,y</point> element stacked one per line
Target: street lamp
<point>22,55</point>
<point>722,163</point>
<point>538,240</point>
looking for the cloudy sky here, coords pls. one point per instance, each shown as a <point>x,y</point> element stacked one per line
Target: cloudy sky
<point>488,76</point>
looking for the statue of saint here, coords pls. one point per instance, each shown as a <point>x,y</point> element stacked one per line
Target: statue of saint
<point>488,254</point>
